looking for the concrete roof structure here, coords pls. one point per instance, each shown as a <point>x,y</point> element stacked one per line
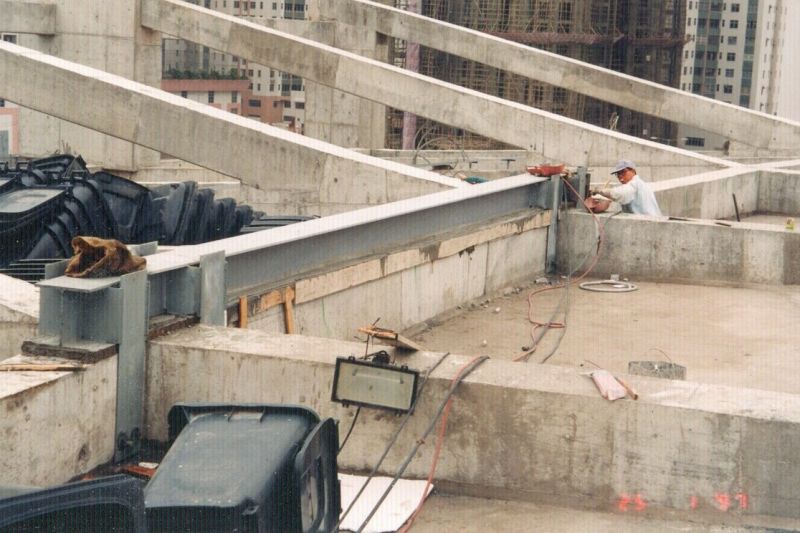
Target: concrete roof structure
<point>411,247</point>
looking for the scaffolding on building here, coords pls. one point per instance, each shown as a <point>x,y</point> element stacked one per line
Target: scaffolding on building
<point>643,38</point>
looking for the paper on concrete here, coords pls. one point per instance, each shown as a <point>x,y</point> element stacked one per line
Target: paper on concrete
<point>393,512</point>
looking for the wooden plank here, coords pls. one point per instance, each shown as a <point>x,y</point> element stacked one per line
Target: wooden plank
<point>288,310</point>
<point>243,311</point>
<point>39,367</point>
<point>269,300</point>
<point>391,338</point>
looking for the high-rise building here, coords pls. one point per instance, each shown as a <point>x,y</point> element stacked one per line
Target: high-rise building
<point>735,53</point>
<point>275,97</point>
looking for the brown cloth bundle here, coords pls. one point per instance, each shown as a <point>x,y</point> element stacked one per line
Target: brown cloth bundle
<point>98,258</point>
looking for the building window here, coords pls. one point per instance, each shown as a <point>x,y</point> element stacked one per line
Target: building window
<point>729,73</point>
<point>254,102</point>
<point>274,6</point>
<point>271,87</point>
<point>727,89</point>
<point>299,105</point>
<point>695,141</point>
<point>731,56</point>
<point>735,8</point>
<point>250,72</point>
<point>258,87</point>
<point>236,4</point>
<point>10,39</point>
<point>185,94</point>
<point>2,103</point>
<point>210,97</point>
<point>732,39</point>
<point>733,24</point>
<point>234,97</point>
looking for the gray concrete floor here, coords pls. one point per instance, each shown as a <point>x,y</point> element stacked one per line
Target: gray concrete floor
<point>737,336</point>
<point>444,513</point>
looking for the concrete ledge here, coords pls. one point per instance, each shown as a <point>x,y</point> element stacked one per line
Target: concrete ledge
<point>55,425</point>
<point>19,314</point>
<point>694,251</point>
<point>538,429</point>
<point>28,17</point>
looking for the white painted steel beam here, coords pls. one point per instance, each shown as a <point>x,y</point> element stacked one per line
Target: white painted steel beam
<point>736,123</point>
<point>553,136</point>
<point>27,17</point>
<point>256,153</point>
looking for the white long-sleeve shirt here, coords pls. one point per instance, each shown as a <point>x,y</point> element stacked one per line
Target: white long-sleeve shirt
<point>636,197</point>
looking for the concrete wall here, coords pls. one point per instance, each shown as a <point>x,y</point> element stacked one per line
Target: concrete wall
<point>19,314</point>
<point>413,285</point>
<point>640,247</point>
<point>779,192</point>
<point>56,425</point>
<point>516,431</point>
<point>710,195</point>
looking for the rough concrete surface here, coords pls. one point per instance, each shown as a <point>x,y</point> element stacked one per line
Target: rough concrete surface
<point>742,337</point>
<point>460,513</point>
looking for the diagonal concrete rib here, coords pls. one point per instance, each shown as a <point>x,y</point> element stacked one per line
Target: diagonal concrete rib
<point>553,136</point>
<point>256,153</point>
<point>27,17</point>
<point>736,123</point>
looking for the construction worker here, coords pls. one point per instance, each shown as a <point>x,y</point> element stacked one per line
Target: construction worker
<point>634,195</point>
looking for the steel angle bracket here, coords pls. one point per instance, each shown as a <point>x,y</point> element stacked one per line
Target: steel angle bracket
<point>92,313</point>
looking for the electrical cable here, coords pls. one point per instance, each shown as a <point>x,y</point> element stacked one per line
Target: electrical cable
<point>462,373</point>
<point>393,440</point>
<point>559,325</point>
<point>349,431</point>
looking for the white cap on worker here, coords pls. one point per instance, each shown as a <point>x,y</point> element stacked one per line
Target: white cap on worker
<point>622,164</point>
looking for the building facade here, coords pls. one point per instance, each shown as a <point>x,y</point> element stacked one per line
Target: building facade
<point>735,53</point>
<point>276,97</point>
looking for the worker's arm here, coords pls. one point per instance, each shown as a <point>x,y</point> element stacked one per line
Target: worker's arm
<point>624,194</point>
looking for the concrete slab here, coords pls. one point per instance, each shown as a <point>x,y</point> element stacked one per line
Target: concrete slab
<point>443,512</point>
<point>737,336</point>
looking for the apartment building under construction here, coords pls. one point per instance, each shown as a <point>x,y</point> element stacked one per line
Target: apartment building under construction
<point>643,38</point>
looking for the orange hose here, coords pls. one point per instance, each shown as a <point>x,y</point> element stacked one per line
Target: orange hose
<point>436,452</point>
<point>556,325</point>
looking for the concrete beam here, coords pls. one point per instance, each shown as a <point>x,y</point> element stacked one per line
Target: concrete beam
<point>752,128</point>
<point>518,431</point>
<point>305,170</point>
<point>550,135</point>
<point>27,17</point>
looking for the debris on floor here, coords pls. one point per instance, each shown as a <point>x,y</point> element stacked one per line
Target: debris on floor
<point>607,384</point>
<point>390,337</point>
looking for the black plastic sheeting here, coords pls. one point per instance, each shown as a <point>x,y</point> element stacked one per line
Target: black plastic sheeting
<point>46,202</point>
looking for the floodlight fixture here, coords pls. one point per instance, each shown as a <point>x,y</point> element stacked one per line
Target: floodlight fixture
<point>374,384</point>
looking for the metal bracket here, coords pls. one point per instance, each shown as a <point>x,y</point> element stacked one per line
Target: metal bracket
<point>552,230</point>
<point>85,312</point>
